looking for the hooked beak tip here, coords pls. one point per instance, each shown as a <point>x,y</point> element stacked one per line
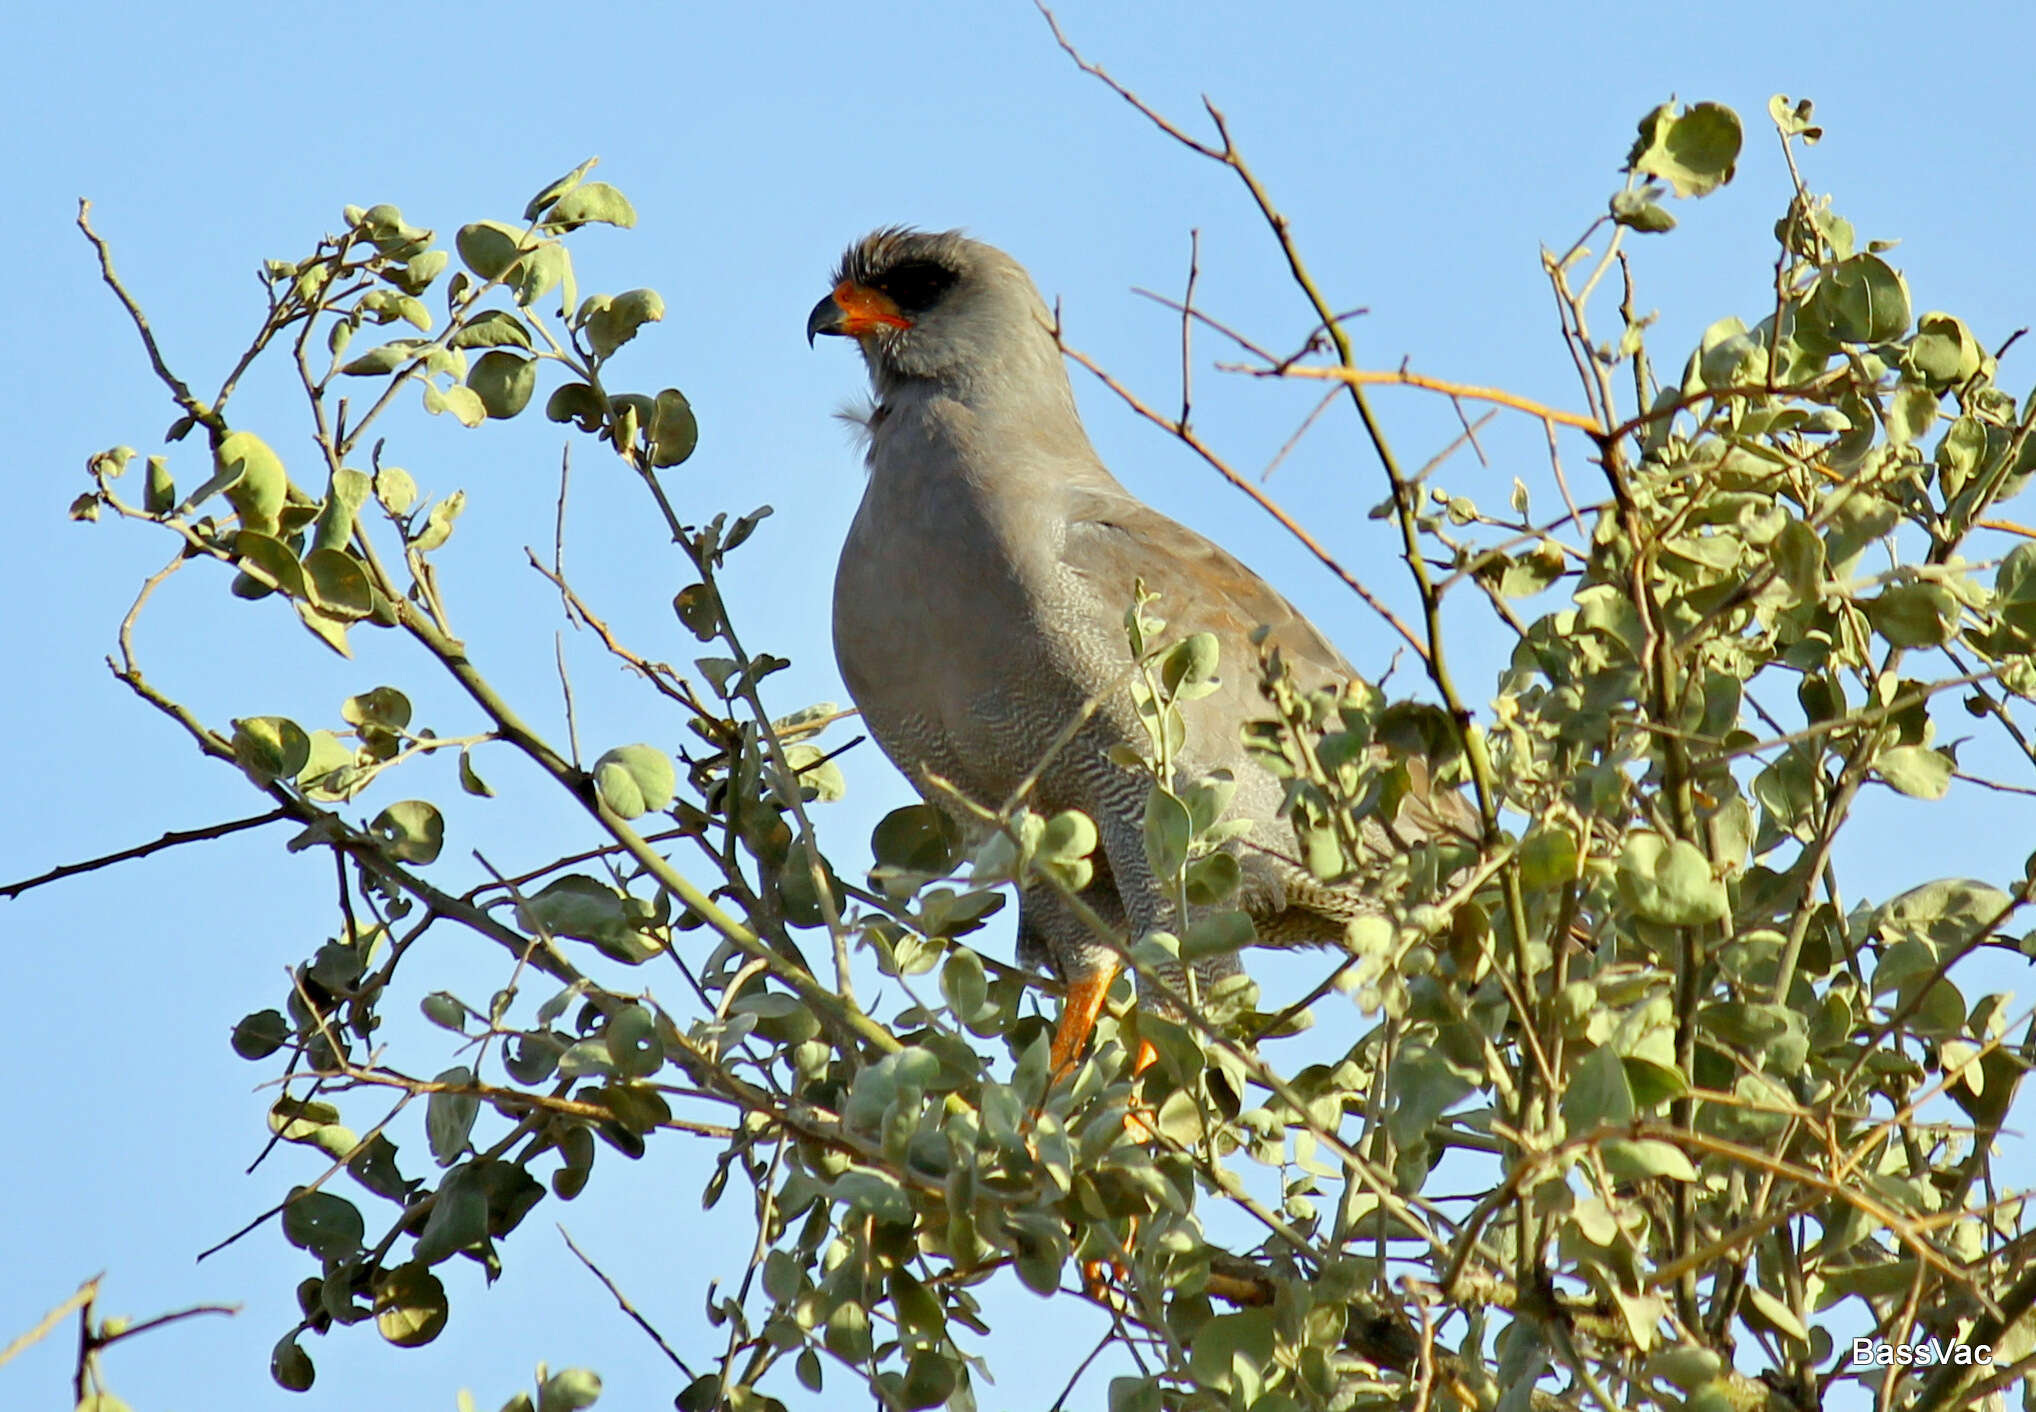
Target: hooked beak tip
<point>827,317</point>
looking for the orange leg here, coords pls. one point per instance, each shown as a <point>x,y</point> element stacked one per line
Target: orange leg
<point>1078,1018</point>
<point>1085,998</point>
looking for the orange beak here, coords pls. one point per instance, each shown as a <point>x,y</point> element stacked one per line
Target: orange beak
<point>854,310</point>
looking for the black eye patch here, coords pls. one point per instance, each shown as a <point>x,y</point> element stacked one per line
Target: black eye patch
<point>916,285</point>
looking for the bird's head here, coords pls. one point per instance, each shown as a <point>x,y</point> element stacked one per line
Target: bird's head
<point>935,306</point>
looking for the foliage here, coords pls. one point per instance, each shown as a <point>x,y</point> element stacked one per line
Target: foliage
<point>1709,1112</point>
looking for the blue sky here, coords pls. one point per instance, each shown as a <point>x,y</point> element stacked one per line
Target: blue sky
<point>1424,155</point>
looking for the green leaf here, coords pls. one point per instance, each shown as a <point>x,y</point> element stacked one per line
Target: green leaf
<point>1669,881</point>
<point>329,628</point>
<point>1911,410</point>
<point>470,779</point>
<point>159,495</point>
<point>1631,1161</point>
<point>503,382</point>
<point>261,1034</point>
<point>345,492</point>
<point>252,479</point>
<point>1944,352</point>
<point>1521,577</point>
<point>488,247</point>
<point>1915,770</point>
<point>876,1194</point>
<point>1213,879</point>
<point>611,320</point>
<point>1637,211</point>
<point>541,270</point>
<point>696,607</point>
<point>1187,670</point>
<point>492,328</point>
<point>266,563</point>
<point>1548,857</point>
<point>569,1390</point>
<point>540,202</point>
<point>1860,300</point>
<point>1064,846</point>
<point>929,1380</point>
<point>919,838</point>
<point>1230,1352</point>
<point>338,583</point>
<point>1688,1367</point>
<point>1168,832</point>
<point>634,1048</point>
<point>291,1366</point>
<point>963,985</point>
<point>1422,1085</point>
<point>382,706</point>
<point>673,433</point>
<point>395,489</point>
<point>1597,1092</point>
<point>412,831</point>
<point>1694,152</point>
<point>326,1225</point>
<point>1216,934</point>
<point>1775,1313</point>
<point>2015,588</point>
<point>438,524</point>
<point>576,402</point>
<point>444,1009</point>
<point>463,402</point>
<point>385,358</point>
<point>420,271</point>
<point>1915,614</point>
<point>1799,557</point>
<point>449,1117</point>
<point>635,780</point>
<point>586,909</point>
<point>310,1121</point>
<point>270,747</point>
<point>596,201</point>
<point>410,1305</point>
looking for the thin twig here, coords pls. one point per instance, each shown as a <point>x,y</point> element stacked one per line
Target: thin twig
<point>1223,468</point>
<point>627,1308</point>
<point>1401,377</point>
<point>49,1321</point>
<point>174,838</point>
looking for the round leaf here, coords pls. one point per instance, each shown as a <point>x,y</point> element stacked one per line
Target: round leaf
<point>1669,881</point>
<point>503,382</point>
<point>291,1366</point>
<point>488,247</point>
<point>1695,152</point>
<point>412,831</point>
<point>323,1224</point>
<point>1915,770</point>
<point>261,1034</point>
<point>569,1390</point>
<point>410,1305</point>
<point>633,1044</point>
<point>634,780</point>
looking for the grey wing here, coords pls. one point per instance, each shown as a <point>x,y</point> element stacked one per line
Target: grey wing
<point>1113,543</point>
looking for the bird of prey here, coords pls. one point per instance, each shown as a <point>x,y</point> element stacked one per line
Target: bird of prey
<point>980,601</point>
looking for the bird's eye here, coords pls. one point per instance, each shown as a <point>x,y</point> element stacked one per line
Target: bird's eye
<point>916,286</point>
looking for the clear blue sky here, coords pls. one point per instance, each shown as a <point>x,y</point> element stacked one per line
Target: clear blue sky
<point>1424,154</point>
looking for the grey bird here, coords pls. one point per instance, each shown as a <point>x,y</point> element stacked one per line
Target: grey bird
<point>980,600</point>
